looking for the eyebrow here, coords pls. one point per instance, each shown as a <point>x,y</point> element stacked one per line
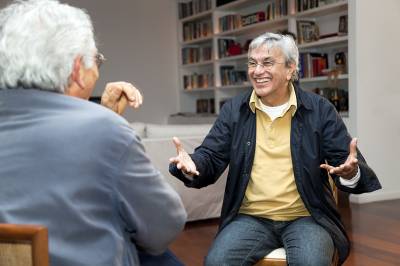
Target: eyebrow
<point>269,58</point>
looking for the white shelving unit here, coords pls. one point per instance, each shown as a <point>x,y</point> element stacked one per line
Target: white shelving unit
<point>325,16</point>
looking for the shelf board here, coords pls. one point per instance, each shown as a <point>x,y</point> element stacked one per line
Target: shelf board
<point>198,40</point>
<point>323,78</point>
<point>232,58</point>
<point>324,10</point>
<point>199,90</point>
<point>257,27</point>
<point>197,16</point>
<point>237,4</point>
<point>231,87</point>
<point>202,63</point>
<point>325,42</point>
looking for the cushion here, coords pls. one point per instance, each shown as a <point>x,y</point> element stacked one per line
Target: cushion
<point>139,128</point>
<point>278,253</point>
<point>169,131</point>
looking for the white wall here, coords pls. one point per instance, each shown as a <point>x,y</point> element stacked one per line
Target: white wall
<point>139,40</point>
<point>376,77</point>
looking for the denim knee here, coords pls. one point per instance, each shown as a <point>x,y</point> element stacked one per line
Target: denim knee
<point>214,259</point>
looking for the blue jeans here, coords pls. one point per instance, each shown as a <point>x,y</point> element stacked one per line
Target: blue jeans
<point>165,259</point>
<point>247,239</point>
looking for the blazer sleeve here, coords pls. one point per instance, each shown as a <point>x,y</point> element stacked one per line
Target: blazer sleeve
<point>212,156</point>
<point>335,148</point>
<point>150,210</point>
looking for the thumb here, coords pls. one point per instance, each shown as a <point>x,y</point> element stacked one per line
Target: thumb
<point>178,144</point>
<point>353,147</point>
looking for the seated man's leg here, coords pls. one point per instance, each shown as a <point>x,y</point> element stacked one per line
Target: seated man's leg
<point>307,243</point>
<point>244,241</point>
<point>165,259</point>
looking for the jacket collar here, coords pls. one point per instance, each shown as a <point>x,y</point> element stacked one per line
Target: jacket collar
<point>303,100</point>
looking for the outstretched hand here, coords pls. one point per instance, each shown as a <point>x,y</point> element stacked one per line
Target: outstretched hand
<point>183,161</point>
<point>349,168</point>
<point>117,95</point>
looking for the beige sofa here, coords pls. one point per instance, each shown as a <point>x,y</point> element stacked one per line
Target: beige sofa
<point>157,139</point>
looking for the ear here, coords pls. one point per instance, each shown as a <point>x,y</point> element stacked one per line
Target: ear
<point>290,72</point>
<point>76,75</point>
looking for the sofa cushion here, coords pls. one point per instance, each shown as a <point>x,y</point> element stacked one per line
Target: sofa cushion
<point>169,131</point>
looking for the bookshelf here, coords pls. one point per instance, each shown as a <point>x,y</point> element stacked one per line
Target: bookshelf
<point>320,27</point>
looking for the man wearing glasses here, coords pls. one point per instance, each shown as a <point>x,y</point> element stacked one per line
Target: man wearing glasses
<point>68,164</point>
<point>280,142</point>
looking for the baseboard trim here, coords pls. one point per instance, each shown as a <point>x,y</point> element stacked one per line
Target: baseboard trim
<point>375,196</point>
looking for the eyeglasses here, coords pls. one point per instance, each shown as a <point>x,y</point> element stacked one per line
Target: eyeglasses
<point>268,64</point>
<point>99,57</point>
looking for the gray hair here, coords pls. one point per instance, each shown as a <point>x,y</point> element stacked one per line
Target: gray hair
<point>285,43</point>
<point>39,40</point>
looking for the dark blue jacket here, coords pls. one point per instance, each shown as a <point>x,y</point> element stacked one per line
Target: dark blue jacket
<point>317,134</point>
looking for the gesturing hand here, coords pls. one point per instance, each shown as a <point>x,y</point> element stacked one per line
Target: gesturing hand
<point>117,95</point>
<point>183,160</point>
<point>349,169</point>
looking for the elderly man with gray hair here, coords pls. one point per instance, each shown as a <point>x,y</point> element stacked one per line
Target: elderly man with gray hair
<point>279,142</point>
<point>68,164</point>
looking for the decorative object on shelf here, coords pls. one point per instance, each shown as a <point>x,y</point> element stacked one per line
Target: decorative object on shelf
<point>252,18</point>
<point>340,61</point>
<point>342,25</point>
<point>307,31</point>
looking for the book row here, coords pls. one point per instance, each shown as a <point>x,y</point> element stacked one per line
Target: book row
<point>198,81</point>
<point>231,76</point>
<point>193,7</point>
<point>197,29</point>
<point>191,55</point>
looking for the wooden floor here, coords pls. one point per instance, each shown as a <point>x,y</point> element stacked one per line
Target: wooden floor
<point>374,230</point>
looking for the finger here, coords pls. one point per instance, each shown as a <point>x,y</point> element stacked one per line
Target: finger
<point>174,160</point>
<point>353,148</point>
<point>327,167</point>
<point>178,144</point>
<point>133,95</point>
<point>138,99</point>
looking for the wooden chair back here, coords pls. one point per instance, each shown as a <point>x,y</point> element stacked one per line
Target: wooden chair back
<point>23,245</point>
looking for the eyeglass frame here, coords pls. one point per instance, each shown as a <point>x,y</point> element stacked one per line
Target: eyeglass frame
<point>266,64</point>
<point>99,59</point>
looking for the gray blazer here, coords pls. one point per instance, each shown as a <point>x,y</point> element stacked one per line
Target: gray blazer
<point>80,170</point>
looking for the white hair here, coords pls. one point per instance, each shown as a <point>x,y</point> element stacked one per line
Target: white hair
<point>285,43</point>
<point>39,40</point>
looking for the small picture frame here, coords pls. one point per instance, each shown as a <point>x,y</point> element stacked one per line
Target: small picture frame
<point>343,25</point>
<point>307,31</point>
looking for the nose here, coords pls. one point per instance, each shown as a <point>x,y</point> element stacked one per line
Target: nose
<point>259,69</point>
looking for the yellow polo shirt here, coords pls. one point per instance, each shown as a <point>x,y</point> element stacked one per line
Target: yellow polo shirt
<point>272,191</point>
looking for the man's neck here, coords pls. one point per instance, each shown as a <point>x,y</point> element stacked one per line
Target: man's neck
<point>281,97</point>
